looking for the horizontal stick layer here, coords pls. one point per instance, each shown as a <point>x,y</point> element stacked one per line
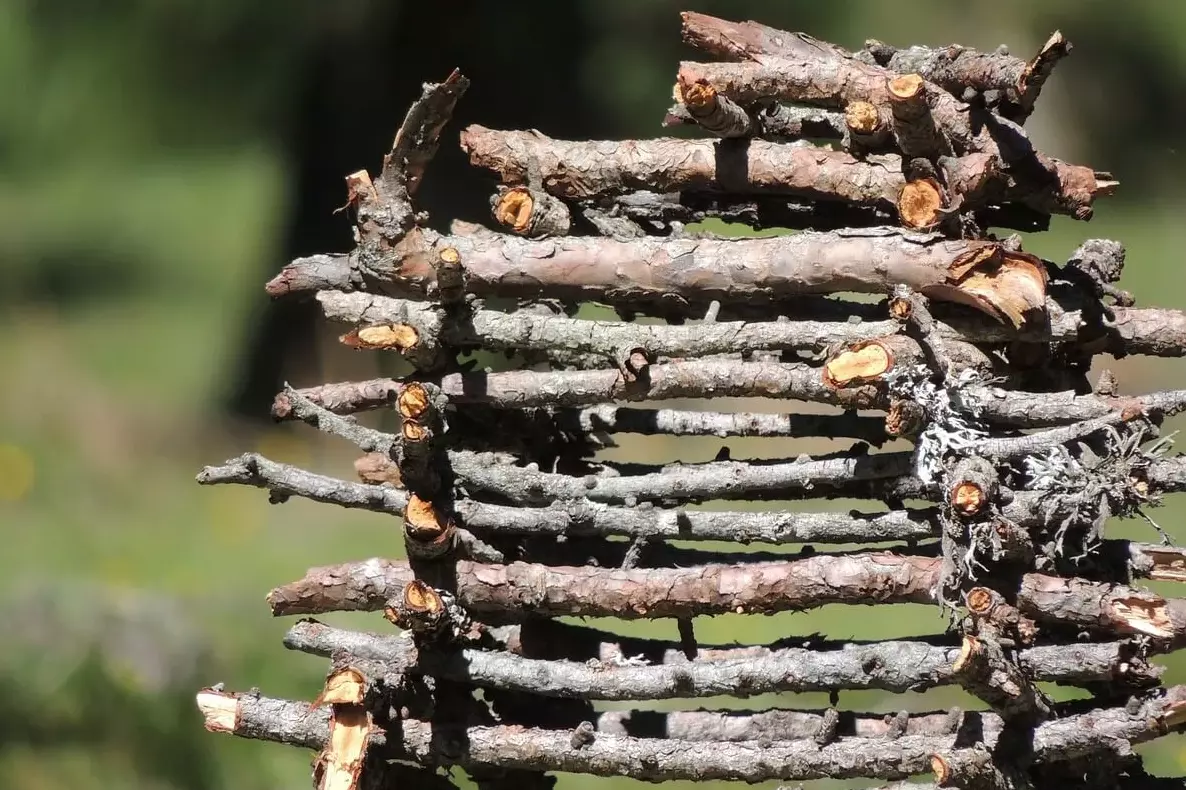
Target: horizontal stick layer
<point>603,673</point>
<point>723,480</point>
<point>985,274</point>
<point>1150,331</point>
<point>493,473</point>
<point>866,578</point>
<point>584,518</point>
<point>614,340</point>
<point>299,724</point>
<point>579,169</point>
<point>582,170</point>
<point>526,589</point>
<point>723,378</point>
<point>956,69</point>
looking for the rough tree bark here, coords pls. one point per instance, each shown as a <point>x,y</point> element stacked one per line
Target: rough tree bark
<point>999,470</point>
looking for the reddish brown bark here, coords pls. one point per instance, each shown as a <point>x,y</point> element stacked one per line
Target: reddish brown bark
<point>522,588</point>
<point>1003,283</point>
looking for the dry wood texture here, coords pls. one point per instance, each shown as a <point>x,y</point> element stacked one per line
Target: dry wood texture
<point>989,498</point>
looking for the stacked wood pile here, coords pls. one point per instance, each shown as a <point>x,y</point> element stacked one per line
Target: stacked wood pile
<point>895,167</point>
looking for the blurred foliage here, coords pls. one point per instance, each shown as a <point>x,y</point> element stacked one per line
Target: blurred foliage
<point>149,154</point>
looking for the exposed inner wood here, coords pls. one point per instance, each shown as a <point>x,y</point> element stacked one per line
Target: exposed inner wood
<point>941,770</point>
<point>1145,615</point>
<point>906,87</point>
<point>920,203</point>
<point>858,363</point>
<point>415,432</point>
<point>900,308</point>
<point>514,209</point>
<point>400,337</point>
<point>419,597</point>
<point>862,117</point>
<point>344,686</point>
<point>699,97</point>
<point>360,188</point>
<point>904,418</point>
<point>1169,565</point>
<point>339,766</point>
<point>414,401</point>
<point>1009,285</point>
<point>981,600</point>
<point>968,498</point>
<point>220,711</point>
<point>424,523</point>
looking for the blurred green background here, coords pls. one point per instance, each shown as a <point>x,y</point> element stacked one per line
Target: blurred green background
<point>160,160</point>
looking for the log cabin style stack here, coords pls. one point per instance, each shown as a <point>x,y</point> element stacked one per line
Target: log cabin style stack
<point>900,174</point>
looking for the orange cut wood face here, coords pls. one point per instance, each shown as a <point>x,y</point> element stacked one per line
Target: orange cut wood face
<point>1009,286</point>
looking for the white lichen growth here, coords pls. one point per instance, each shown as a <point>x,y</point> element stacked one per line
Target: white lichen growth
<point>951,427</point>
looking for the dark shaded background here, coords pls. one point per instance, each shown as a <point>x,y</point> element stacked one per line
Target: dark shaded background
<point>160,161</point>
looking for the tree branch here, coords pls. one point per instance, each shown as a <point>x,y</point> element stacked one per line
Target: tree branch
<point>747,40</point>
<point>1102,607</point>
<point>525,589</point>
<point>835,477</point>
<point>583,517</point>
<point>588,170</point>
<point>1042,182</point>
<point>956,69</point>
<point>784,122</point>
<point>422,326</point>
<point>653,670</point>
<point>988,275</point>
<point>415,144</point>
<point>661,760</point>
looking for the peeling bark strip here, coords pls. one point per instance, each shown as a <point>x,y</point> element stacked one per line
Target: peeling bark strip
<point>603,670</point>
<point>1108,608</point>
<point>339,765</point>
<point>522,588</point>
<point>1004,284</point>
<point>651,759</point>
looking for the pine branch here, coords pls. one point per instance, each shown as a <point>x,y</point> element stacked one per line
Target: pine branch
<point>649,670</point>
<point>581,518</point>
<point>411,328</point>
<point>525,589</point>
<point>297,723</point>
<point>1004,283</point>
<point>419,327</point>
<point>1072,603</point>
<point>957,69</point>
<point>724,480</point>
